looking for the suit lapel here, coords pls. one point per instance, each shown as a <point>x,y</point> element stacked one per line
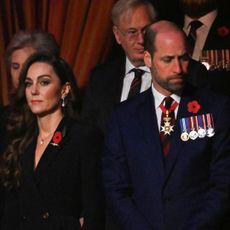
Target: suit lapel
<point>27,161</point>
<point>148,121</point>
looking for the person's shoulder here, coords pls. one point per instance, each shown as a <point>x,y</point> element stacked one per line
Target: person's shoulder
<point>205,93</point>
<point>108,67</point>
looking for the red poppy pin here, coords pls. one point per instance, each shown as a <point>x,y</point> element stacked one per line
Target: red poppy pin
<point>57,137</point>
<point>223,31</point>
<point>193,106</point>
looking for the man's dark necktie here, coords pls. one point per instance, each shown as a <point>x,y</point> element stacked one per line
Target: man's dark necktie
<point>167,123</point>
<point>136,83</point>
<point>194,25</point>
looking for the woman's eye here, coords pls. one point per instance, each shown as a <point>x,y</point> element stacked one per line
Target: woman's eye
<point>44,82</point>
<point>28,84</point>
<point>15,66</point>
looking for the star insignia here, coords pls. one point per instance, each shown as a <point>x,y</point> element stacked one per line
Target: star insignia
<point>167,128</point>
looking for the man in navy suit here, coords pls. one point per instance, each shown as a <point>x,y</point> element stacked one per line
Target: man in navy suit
<point>183,183</point>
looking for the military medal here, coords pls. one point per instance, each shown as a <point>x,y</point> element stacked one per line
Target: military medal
<point>192,134</point>
<point>201,132</point>
<point>210,124</point>
<point>167,128</point>
<point>184,135</point>
<point>202,126</point>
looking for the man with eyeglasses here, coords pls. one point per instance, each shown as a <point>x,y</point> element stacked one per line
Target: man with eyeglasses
<point>111,83</point>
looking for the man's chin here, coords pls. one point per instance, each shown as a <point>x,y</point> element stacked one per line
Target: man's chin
<point>177,87</point>
<point>138,60</point>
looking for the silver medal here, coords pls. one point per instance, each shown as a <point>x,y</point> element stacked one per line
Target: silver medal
<point>210,132</point>
<point>201,133</point>
<point>193,134</point>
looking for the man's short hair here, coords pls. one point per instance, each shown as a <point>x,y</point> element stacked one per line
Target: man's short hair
<point>123,5</point>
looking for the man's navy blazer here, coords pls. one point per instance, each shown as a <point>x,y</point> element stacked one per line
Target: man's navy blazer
<point>189,189</point>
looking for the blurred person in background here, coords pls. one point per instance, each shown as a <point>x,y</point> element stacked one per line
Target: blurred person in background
<point>22,45</point>
<point>208,29</point>
<point>110,83</point>
<point>213,32</point>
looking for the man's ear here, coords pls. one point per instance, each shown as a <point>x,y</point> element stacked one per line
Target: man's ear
<point>116,34</point>
<point>147,59</point>
<point>65,90</point>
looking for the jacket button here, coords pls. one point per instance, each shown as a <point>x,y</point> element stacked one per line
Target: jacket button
<point>45,215</point>
<point>23,218</point>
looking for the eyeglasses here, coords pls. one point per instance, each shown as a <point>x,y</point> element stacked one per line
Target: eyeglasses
<point>132,33</point>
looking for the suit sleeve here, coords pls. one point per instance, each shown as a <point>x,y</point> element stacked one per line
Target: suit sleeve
<point>213,212</point>
<point>117,182</point>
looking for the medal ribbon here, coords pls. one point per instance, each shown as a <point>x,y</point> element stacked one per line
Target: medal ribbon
<point>210,120</point>
<point>204,122</point>
<point>191,124</point>
<point>196,123</point>
<point>172,107</point>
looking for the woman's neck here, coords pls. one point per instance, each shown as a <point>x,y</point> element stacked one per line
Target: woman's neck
<point>49,123</point>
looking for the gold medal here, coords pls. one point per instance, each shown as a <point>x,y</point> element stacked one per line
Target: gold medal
<point>184,136</point>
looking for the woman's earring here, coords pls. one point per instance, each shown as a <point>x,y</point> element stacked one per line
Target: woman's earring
<point>63,102</point>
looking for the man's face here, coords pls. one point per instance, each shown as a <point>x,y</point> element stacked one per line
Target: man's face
<point>169,64</point>
<point>18,58</point>
<point>197,8</point>
<point>130,31</point>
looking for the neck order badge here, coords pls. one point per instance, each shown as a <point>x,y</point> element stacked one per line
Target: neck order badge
<point>167,123</point>
<point>168,115</point>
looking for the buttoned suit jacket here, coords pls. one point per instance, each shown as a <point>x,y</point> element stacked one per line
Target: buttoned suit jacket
<point>105,88</point>
<point>65,185</point>
<point>190,190</point>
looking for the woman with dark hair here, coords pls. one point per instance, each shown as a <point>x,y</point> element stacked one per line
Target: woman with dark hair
<point>50,168</point>
<point>23,44</point>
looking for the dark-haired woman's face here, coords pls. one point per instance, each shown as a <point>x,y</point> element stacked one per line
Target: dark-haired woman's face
<point>43,89</point>
<point>18,58</point>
